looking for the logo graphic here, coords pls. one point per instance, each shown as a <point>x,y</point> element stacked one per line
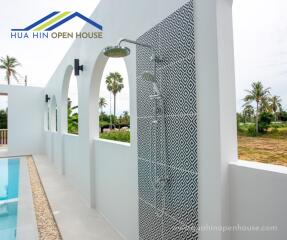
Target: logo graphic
<point>43,28</point>
<point>56,19</point>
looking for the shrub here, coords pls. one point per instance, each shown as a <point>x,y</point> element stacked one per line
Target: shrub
<point>278,125</point>
<point>121,136</point>
<point>264,122</point>
<point>282,116</point>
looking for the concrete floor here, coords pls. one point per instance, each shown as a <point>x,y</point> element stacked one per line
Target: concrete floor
<point>75,220</point>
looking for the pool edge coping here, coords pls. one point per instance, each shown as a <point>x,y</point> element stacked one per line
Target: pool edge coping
<point>26,218</point>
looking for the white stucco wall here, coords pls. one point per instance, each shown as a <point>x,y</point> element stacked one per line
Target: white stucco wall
<point>116,186</point>
<point>258,198</point>
<point>25,119</point>
<point>105,174</point>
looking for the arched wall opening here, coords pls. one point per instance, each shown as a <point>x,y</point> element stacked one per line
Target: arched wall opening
<point>114,102</point>
<point>49,117</point>
<point>46,118</point>
<point>69,103</point>
<point>113,161</point>
<point>72,106</point>
<point>53,116</point>
<point>99,90</point>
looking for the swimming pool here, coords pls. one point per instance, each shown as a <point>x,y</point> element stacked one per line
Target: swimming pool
<point>9,186</point>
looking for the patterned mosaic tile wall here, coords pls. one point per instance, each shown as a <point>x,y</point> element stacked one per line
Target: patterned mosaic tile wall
<point>173,39</point>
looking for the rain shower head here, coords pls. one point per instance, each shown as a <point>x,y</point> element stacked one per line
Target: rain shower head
<point>116,51</point>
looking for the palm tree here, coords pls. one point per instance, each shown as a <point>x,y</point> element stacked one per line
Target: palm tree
<point>102,103</point>
<point>73,118</point>
<point>115,84</point>
<point>257,94</point>
<point>9,64</point>
<point>264,105</point>
<point>275,104</point>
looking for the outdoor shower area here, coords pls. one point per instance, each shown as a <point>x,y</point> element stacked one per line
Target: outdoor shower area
<point>167,130</point>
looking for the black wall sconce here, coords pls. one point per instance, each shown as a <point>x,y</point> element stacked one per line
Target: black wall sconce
<point>77,67</point>
<point>47,98</point>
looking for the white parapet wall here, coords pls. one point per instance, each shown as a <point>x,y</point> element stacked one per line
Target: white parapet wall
<point>116,188</point>
<point>258,199</point>
<point>25,119</point>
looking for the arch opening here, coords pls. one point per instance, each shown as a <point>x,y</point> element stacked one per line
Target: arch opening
<point>53,115</point>
<point>114,102</point>
<point>69,103</point>
<point>107,118</point>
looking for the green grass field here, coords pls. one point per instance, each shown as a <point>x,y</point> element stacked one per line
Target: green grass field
<point>270,147</point>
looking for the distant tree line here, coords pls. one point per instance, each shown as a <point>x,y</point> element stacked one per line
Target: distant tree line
<point>261,108</point>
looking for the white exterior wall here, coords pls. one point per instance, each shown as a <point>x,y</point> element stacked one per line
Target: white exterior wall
<point>105,174</point>
<point>116,186</point>
<point>25,119</point>
<point>258,198</point>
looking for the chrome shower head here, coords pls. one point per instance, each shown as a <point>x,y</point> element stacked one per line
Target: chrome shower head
<point>116,51</point>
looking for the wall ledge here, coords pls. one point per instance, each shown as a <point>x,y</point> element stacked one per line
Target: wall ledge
<point>259,166</point>
<point>112,142</point>
<point>68,134</point>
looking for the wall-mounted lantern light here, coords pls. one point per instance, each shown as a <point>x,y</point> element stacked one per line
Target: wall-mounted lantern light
<point>77,67</point>
<point>47,98</point>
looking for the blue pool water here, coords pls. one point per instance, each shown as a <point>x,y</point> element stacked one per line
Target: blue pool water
<point>9,185</point>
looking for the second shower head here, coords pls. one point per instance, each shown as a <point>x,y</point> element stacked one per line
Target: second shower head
<point>148,76</point>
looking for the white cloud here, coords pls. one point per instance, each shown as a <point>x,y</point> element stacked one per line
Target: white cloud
<point>260,42</point>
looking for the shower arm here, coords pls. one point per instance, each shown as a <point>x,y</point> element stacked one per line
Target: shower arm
<point>154,56</point>
<point>156,59</point>
<point>136,43</point>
